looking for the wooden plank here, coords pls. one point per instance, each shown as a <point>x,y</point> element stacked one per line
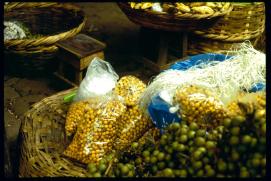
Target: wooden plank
<point>80,64</point>
<point>67,57</point>
<point>84,62</point>
<point>81,45</point>
<point>65,80</point>
<point>150,64</point>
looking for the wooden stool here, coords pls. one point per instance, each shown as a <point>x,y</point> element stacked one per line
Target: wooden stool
<point>159,49</point>
<point>75,54</point>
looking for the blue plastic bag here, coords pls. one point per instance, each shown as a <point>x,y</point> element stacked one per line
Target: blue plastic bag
<point>199,59</point>
<point>160,114</point>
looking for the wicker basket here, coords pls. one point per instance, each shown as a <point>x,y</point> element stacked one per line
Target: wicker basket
<point>167,22</point>
<point>52,21</point>
<point>198,45</point>
<point>43,141</point>
<point>56,21</point>
<point>244,22</point>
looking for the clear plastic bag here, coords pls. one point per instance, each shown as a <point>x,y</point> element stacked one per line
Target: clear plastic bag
<point>74,116</point>
<point>130,88</point>
<point>246,103</point>
<point>132,125</point>
<point>97,130</point>
<point>99,80</point>
<point>199,104</point>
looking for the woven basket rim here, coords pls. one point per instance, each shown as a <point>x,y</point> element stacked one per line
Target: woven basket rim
<point>44,40</point>
<point>177,16</point>
<point>235,37</point>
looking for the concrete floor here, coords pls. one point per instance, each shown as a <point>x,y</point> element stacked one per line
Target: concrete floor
<point>107,23</point>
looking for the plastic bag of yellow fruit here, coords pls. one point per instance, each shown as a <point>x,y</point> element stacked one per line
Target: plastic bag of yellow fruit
<point>97,128</point>
<point>133,124</point>
<point>130,88</point>
<point>246,103</point>
<point>74,116</point>
<point>199,104</point>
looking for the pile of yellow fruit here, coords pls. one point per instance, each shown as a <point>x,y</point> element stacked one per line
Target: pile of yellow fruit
<point>133,124</point>
<point>96,131</point>
<point>130,88</point>
<point>198,104</point>
<point>106,123</point>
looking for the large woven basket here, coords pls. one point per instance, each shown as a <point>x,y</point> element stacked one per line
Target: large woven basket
<point>167,22</point>
<point>43,141</point>
<point>244,22</point>
<point>54,21</point>
<point>198,45</point>
<point>51,21</point>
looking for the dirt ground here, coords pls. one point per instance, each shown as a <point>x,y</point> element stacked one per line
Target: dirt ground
<point>20,92</point>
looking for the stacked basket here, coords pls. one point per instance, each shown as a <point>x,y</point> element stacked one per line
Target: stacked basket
<point>52,22</point>
<point>245,22</point>
<point>172,22</point>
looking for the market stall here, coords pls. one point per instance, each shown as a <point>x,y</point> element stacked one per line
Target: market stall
<point>184,123</point>
<point>199,116</point>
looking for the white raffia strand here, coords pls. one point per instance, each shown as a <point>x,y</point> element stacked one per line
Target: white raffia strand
<point>13,31</point>
<point>246,68</point>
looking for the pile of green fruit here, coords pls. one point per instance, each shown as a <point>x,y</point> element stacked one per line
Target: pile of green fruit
<point>234,148</point>
<point>243,146</point>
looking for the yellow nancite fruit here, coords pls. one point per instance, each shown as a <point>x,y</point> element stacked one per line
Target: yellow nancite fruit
<point>130,88</point>
<point>74,116</point>
<point>96,132</point>
<point>200,105</point>
<point>132,125</point>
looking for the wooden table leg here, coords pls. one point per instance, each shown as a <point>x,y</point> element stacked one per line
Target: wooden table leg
<point>61,68</point>
<point>78,77</point>
<point>163,49</point>
<point>184,44</point>
<point>160,49</point>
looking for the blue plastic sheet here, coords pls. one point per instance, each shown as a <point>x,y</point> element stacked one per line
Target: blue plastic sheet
<point>159,109</point>
<point>257,87</point>
<point>199,59</point>
<point>159,112</point>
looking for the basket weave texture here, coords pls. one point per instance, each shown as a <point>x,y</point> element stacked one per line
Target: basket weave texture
<point>168,22</point>
<point>53,21</point>
<point>244,22</point>
<point>199,45</point>
<point>43,141</point>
